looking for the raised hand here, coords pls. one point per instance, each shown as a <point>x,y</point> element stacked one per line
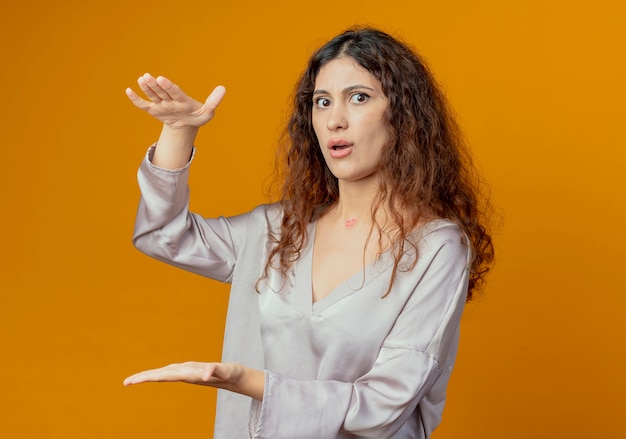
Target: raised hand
<point>169,104</point>
<point>180,114</point>
<point>230,376</point>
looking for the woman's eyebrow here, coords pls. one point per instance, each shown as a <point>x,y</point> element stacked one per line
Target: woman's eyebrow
<point>346,90</point>
<point>350,89</point>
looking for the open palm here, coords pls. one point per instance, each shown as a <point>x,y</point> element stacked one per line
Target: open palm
<point>169,104</point>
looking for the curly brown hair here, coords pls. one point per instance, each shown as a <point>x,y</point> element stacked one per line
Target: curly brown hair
<point>425,169</point>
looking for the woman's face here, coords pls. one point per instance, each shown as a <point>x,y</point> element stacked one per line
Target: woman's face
<point>349,119</point>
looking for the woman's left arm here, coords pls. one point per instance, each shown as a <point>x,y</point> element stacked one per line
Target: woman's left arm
<point>229,376</point>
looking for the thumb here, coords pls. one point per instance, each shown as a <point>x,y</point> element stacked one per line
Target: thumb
<point>215,98</point>
<point>209,371</point>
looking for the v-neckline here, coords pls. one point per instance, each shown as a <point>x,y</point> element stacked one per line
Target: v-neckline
<point>354,283</point>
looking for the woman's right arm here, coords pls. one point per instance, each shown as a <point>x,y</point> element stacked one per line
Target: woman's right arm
<point>164,228</point>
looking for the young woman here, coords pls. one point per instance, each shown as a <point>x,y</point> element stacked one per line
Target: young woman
<point>346,294</point>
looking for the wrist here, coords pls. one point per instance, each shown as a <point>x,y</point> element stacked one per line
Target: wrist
<point>251,382</point>
<point>173,149</point>
<point>180,128</point>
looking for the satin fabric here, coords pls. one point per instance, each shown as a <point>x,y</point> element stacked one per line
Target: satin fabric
<point>352,365</point>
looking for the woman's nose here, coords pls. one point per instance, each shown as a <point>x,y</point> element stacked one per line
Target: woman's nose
<point>337,118</point>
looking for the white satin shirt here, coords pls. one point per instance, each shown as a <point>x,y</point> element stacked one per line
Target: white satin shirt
<point>352,365</point>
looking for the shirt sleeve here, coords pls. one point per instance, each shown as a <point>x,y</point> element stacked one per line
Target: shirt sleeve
<point>166,230</point>
<point>409,363</point>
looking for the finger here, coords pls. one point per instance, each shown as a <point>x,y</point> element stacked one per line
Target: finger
<point>190,372</point>
<point>144,84</point>
<point>150,375</point>
<point>172,90</point>
<point>154,375</point>
<point>133,379</point>
<point>155,87</point>
<point>136,100</point>
<point>140,377</point>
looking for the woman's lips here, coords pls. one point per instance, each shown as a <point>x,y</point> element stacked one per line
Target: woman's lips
<point>339,148</point>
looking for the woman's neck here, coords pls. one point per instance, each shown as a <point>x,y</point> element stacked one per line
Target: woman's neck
<point>355,202</point>
<point>354,206</point>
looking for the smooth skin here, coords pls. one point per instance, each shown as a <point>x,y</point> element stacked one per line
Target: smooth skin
<point>182,116</point>
<point>349,108</point>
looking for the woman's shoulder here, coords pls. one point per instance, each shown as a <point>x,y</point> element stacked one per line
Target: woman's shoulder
<point>264,216</point>
<point>437,227</point>
<point>272,212</point>
<point>438,233</point>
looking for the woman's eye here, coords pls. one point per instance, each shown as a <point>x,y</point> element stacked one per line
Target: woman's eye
<point>359,98</point>
<point>322,102</point>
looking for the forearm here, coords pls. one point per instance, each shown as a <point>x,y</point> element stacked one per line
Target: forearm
<point>173,150</point>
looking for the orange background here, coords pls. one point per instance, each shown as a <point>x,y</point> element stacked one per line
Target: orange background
<point>539,89</point>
